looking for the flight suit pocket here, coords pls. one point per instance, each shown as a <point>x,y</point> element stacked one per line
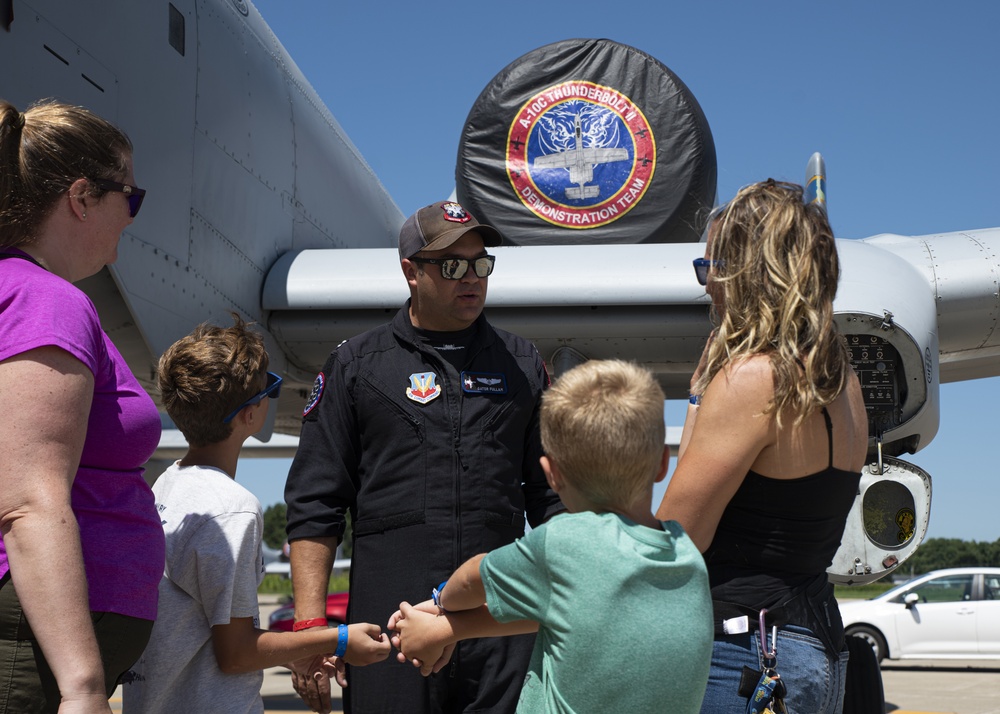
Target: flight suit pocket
<point>393,479</point>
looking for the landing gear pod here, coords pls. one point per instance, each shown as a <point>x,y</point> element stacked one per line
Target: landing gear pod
<point>887,522</point>
<point>894,351</point>
<point>587,142</point>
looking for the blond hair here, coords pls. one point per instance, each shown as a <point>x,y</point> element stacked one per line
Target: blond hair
<point>205,376</point>
<point>42,152</point>
<point>777,278</point>
<point>602,423</point>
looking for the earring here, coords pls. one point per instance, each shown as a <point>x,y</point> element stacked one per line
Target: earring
<point>84,214</point>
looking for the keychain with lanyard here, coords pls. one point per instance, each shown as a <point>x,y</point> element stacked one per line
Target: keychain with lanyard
<point>769,695</point>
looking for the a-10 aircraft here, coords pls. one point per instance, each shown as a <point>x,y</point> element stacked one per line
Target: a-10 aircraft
<point>260,204</point>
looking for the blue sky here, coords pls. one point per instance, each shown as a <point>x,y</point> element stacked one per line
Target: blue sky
<point>900,98</point>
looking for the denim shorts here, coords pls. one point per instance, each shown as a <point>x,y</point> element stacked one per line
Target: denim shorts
<point>814,679</point>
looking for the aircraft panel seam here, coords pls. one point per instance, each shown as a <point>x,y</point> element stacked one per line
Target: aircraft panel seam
<point>984,249</point>
<point>232,246</point>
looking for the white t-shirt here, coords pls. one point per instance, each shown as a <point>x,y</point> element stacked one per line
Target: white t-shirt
<point>213,529</point>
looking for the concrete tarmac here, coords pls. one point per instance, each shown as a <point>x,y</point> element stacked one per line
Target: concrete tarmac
<point>911,687</point>
<point>933,687</point>
<point>945,686</point>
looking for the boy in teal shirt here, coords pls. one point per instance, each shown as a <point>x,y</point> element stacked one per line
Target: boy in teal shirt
<point>620,600</point>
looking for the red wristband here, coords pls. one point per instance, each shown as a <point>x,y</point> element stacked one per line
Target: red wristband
<point>306,624</point>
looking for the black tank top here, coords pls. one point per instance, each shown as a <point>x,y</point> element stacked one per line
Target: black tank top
<point>779,535</point>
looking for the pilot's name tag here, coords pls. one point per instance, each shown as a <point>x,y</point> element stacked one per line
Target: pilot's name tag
<point>484,383</point>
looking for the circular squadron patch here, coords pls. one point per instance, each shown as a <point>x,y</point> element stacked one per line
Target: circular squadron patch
<point>580,155</point>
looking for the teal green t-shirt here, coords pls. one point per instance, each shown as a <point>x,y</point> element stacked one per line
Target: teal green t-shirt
<point>624,614</point>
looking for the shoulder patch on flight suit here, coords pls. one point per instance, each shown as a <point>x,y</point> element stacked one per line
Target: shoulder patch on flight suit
<point>317,393</point>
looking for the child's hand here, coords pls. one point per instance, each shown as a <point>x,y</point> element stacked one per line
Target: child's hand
<point>427,606</point>
<point>366,643</point>
<point>424,638</point>
<point>334,668</point>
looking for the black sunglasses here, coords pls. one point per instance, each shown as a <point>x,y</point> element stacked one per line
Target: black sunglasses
<point>134,194</point>
<point>273,390</point>
<point>703,265</point>
<point>456,268</point>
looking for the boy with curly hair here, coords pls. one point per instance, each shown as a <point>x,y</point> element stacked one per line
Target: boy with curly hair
<point>206,652</point>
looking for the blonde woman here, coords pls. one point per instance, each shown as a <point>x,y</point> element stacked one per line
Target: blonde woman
<point>771,453</point>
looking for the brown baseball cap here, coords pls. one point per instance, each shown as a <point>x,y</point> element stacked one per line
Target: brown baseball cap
<point>437,226</point>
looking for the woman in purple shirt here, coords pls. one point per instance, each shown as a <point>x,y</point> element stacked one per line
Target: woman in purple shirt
<point>81,547</point>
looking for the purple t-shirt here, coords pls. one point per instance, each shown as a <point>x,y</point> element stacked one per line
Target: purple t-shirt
<point>120,530</point>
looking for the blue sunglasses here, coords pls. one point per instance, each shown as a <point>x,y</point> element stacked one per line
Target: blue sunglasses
<point>703,265</point>
<point>273,389</point>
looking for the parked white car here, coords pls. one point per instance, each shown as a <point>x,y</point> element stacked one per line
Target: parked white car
<point>946,614</point>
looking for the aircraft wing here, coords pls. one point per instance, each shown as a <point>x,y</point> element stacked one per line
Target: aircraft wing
<point>561,160</point>
<point>642,302</point>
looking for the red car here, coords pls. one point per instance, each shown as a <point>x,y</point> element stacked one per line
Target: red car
<point>283,618</point>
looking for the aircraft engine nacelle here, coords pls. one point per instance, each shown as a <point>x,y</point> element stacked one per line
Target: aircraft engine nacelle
<point>585,142</point>
<point>891,331</point>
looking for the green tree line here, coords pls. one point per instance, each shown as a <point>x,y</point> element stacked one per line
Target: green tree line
<point>937,553</point>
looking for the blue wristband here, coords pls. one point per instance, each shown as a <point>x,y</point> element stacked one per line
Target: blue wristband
<point>341,641</point>
<point>436,593</point>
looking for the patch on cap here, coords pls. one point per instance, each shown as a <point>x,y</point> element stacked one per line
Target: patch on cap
<point>455,213</point>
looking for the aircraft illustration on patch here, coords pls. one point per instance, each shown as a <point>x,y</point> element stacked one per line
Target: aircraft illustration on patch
<point>587,156</point>
<point>580,159</point>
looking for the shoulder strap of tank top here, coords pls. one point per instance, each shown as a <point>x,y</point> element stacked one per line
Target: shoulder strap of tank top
<point>829,434</point>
